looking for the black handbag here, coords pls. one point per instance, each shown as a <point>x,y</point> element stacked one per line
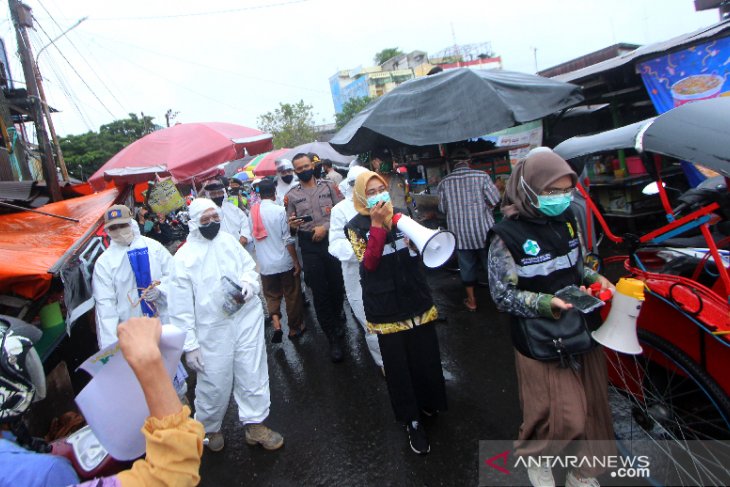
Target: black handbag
<point>549,340</point>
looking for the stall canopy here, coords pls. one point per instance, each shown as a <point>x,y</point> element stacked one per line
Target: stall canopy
<point>265,164</point>
<point>453,105</point>
<point>31,244</point>
<point>185,151</point>
<point>695,132</point>
<point>324,150</point>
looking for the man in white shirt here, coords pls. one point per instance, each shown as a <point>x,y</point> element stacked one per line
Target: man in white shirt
<point>278,263</point>
<point>234,220</point>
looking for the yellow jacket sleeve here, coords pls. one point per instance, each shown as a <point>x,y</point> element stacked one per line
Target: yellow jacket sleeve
<point>174,449</point>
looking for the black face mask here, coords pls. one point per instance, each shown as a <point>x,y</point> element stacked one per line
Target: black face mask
<point>318,172</point>
<point>218,201</point>
<point>234,191</point>
<point>210,230</point>
<point>305,176</point>
<point>288,178</point>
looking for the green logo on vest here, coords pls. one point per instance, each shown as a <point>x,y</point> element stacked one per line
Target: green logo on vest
<point>530,247</point>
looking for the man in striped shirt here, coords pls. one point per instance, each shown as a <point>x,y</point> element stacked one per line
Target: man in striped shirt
<point>467,196</point>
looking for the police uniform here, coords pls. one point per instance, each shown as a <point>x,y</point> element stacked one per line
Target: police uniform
<point>322,271</point>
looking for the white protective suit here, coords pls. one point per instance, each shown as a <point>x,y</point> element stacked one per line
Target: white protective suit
<point>340,247</point>
<point>232,347</point>
<point>283,188</point>
<point>234,221</point>
<point>115,288</point>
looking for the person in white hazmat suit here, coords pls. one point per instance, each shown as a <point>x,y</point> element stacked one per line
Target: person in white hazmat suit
<point>214,298</point>
<point>233,220</point>
<point>285,179</point>
<point>340,247</point>
<point>130,280</point>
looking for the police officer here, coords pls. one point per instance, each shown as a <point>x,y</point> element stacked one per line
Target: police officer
<point>322,272</point>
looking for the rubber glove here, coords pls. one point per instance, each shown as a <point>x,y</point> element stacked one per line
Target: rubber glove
<point>151,294</point>
<point>246,291</point>
<point>194,360</point>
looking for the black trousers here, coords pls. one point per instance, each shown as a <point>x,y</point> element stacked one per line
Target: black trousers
<point>413,372</point>
<point>323,275</point>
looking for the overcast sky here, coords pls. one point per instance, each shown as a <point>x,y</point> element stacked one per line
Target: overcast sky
<point>233,60</point>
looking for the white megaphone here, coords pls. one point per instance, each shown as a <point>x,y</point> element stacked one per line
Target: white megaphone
<point>436,246</point>
<point>618,332</point>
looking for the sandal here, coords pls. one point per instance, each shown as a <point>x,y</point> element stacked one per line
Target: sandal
<point>469,308</point>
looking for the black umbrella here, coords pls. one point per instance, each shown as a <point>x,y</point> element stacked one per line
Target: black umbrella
<point>695,132</point>
<point>453,105</point>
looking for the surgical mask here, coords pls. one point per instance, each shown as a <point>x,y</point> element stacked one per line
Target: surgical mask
<point>385,167</point>
<point>210,230</point>
<point>305,176</point>
<point>148,226</point>
<point>218,201</point>
<point>554,205</point>
<point>122,236</point>
<point>288,178</point>
<point>375,199</point>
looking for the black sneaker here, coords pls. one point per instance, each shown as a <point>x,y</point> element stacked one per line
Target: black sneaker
<point>418,438</point>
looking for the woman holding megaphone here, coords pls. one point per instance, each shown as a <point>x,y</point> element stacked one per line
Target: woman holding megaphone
<point>535,252</point>
<point>398,308</point>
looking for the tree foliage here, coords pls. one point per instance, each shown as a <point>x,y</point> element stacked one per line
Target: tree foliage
<point>352,107</point>
<point>386,54</point>
<point>290,124</point>
<point>86,153</point>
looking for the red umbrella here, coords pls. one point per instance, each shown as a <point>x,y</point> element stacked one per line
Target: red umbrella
<point>185,151</point>
<point>266,166</point>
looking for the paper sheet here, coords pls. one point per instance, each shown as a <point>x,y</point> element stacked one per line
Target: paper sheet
<point>113,402</point>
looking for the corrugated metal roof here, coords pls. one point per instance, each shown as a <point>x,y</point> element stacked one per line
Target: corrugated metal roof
<point>646,51</point>
<point>16,190</point>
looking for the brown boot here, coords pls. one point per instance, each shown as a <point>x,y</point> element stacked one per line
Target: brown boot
<point>259,434</point>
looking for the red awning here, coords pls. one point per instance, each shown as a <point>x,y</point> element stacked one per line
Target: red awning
<point>30,244</point>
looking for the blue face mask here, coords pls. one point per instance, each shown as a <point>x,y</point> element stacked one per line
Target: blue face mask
<point>554,205</point>
<point>374,200</point>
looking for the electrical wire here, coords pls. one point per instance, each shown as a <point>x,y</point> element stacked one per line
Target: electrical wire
<point>171,81</point>
<point>75,71</point>
<point>201,14</point>
<point>217,68</point>
<point>65,88</point>
<point>68,38</point>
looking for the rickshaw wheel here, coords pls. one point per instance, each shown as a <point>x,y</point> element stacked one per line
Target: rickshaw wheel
<point>666,406</point>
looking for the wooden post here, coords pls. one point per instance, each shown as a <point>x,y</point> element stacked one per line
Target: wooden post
<point>21,19</point>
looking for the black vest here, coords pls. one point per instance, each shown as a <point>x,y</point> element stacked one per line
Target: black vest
<point>397,290</point>
<point>546,250</point>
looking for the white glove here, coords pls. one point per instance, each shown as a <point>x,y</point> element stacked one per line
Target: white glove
<point>246,291</point>
<point>194,360</point>
<point>151,294</point>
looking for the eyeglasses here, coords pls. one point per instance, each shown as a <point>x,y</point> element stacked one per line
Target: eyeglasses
<point>558,191</point>
<point>207,220</point>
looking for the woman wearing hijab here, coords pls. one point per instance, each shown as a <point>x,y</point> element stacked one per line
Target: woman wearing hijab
<point>534,252</point>
<point>398,309</point>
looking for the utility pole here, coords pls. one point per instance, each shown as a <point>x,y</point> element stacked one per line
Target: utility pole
<point>44,101</point>
<point>22,19</point>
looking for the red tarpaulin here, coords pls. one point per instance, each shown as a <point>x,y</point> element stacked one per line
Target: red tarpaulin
<point>184,151</point>
<point>30,243</point>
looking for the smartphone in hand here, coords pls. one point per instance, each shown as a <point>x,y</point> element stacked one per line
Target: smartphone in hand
<point>583,302</point>
<point>304,218</point>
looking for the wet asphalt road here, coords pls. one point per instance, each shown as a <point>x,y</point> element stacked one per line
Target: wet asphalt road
<point>337,421</point>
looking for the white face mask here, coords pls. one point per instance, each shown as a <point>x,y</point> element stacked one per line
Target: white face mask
<point>122,236</point>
